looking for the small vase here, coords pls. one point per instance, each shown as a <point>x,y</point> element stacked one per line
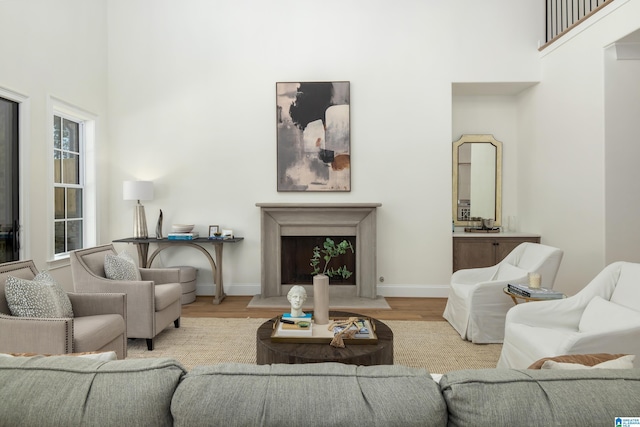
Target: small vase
<point>321,299</point>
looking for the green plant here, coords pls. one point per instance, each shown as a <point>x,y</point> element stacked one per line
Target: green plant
<point>331,250</point>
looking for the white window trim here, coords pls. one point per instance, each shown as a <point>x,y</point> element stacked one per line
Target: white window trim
<point>62,108</point>
<point>24,142</point>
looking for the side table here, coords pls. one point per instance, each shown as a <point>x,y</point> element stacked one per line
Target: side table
<point>268,352</point>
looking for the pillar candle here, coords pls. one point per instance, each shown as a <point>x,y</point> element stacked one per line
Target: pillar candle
<point>534,280</point>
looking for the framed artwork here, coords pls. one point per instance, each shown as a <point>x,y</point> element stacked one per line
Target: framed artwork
<point>314,147</point>
<point>213,230</point>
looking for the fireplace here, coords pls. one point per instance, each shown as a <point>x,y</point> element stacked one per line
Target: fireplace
<point>295,263</point>
<point>356,221</point>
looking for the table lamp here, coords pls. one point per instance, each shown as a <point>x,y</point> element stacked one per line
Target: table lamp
<point>138,190</point>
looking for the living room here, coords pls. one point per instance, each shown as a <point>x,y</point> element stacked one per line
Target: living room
<point>183,94</point>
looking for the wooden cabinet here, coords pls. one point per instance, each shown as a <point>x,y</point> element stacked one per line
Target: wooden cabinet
<point>473,250</point>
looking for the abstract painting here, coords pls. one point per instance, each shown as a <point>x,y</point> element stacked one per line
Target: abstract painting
<point>313,136</point>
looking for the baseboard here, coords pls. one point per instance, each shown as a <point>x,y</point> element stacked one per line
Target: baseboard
<point>407,291</point>
<point>233,289</point>
<point>414,291</point>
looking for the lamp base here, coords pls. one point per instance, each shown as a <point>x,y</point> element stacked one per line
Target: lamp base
<point>140,230</point>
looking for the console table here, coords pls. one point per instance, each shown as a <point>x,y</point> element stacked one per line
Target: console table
<point>146,260</point>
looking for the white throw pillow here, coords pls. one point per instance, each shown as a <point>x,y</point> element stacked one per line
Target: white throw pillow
<point>627,291</point>
<point>121,267</point>
<point>602,315</point>
<point>507,271</point>
<point>104,356</point>
<point>624,362</point>
<point>41,297</point>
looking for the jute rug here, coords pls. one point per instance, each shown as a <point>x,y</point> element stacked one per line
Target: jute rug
<point>435,346</point>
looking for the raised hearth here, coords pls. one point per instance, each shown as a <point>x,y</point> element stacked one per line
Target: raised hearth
<point>319,219</point>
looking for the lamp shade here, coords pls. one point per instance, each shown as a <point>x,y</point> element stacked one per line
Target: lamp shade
<point>137,190</point>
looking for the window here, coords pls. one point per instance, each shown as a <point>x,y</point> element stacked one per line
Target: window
<point>68,187</point>
<point>72,175</point>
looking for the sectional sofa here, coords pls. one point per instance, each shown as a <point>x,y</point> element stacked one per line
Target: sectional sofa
<point>72,391</point>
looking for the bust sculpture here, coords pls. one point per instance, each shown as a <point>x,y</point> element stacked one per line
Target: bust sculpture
<point>297,296</point>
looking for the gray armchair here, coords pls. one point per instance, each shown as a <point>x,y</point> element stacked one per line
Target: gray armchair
<point>99,322</point>
<point>152,303</point>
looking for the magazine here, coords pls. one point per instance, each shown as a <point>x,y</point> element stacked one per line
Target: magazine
<point>363,331</point>
<point>529,292</point>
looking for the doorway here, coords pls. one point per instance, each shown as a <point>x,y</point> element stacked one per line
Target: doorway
<point>9,184</point>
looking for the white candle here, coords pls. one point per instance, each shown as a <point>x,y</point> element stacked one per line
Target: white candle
<point>534,280</point>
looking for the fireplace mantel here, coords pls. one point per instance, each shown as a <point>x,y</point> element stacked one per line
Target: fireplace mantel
<point>319,219</point>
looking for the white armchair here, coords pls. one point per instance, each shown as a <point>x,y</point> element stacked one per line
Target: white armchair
<point>602,318</point>
<point>477,305</point>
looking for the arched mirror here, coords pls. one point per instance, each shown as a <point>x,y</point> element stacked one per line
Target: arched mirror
<point>477,179</point>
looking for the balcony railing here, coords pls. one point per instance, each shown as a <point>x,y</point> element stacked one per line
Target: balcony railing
<point>563,15</point>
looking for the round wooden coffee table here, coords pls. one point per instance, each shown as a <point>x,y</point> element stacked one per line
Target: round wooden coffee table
<point>381,353</point>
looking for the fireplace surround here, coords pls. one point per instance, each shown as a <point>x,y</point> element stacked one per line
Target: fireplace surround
<point>319,219</point>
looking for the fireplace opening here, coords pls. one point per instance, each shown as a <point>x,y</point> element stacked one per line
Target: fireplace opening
<point>295,268</point>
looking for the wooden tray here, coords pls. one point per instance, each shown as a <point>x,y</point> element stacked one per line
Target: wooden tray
<point>321,335</point>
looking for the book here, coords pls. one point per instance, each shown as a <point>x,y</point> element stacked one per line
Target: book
<point>183,236</point>
<point>529,292</point>
<point>305,318</point>
<point>288,330</point>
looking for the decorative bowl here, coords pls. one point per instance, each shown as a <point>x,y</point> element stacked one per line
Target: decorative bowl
<point>182,228</point>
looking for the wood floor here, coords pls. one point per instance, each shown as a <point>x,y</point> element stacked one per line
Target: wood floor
<point>236,307</point>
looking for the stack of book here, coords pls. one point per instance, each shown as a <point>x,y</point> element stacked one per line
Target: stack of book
<point>295,326</point>
<point>529,292</point>
<point>183,236</point>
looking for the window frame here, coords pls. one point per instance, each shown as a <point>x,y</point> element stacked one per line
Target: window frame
<point>87,174</point>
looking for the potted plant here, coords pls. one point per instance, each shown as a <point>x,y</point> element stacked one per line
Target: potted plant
<point>321,276</point>
<point>330,251</point>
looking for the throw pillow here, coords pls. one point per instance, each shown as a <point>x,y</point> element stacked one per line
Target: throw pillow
<point>121,267</point>
<point>507,271</point>
<point>41,297</point>
<point>627,291</point>
<point>624,362</point>
<point>583,359</point>
<point>602,315</point>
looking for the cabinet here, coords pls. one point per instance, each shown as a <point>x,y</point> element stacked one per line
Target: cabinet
<point>473,250</point>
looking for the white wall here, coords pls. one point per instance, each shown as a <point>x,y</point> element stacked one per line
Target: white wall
<point>53,49</point>
<point>622,152</point>
<point>561,157</point>
<point>192,107</point>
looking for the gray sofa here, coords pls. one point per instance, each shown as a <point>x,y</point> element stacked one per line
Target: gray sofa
<point>71,391</point>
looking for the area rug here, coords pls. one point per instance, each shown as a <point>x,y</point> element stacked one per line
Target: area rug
<point>435,346</point>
